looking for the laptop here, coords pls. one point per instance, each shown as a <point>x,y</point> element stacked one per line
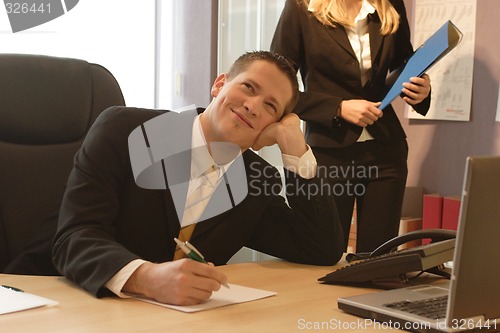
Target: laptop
<point>470,300</point>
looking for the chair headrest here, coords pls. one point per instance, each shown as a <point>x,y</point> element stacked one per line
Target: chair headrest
<point>43,99</point>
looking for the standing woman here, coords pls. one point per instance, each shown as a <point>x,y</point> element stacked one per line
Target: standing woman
<point>344,50</point>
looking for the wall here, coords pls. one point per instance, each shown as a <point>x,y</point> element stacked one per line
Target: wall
<point>438,149</point>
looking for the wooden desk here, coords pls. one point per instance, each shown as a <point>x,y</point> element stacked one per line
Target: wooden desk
<point>300,304</point>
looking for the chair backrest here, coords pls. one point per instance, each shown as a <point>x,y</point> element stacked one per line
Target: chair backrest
<point>47,105</point>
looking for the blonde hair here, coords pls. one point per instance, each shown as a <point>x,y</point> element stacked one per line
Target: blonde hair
<point>331,12</point>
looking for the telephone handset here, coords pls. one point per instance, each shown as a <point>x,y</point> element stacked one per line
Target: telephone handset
<point>385,262</point>
<point>435,235</point>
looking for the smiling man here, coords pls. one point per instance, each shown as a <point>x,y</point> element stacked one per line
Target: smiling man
<point>115,237</point>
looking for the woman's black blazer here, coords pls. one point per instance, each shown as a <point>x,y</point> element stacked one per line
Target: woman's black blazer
<point>330,73</point>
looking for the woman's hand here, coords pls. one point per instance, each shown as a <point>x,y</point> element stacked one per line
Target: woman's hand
<point>417,89</point>
<point>360,112</point>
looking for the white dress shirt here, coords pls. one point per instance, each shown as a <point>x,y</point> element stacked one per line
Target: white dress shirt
<point>360,42</point>
<point>305,166</point>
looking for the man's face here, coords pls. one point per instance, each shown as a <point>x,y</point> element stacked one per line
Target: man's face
<point>245,105</point>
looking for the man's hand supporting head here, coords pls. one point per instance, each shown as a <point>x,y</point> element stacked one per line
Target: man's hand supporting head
<point>286,133</point>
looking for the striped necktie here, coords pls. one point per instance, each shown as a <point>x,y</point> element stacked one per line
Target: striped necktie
<point>195,205</point>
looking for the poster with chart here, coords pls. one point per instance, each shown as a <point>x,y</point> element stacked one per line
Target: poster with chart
<point>451,77</point>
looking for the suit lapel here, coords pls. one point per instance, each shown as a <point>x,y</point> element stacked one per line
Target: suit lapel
<point>339,35</point>
<point>376,38</point>
<point>171,218</point>
<point>177,168</point>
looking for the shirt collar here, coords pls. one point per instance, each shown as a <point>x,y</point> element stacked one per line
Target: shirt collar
<point>366,9</point>
<point>201,160</point>
<point>311,6</point>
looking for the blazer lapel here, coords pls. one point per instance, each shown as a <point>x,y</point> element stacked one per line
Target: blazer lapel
<point>171,219</point>
<point>177,168</point>
<point>376,38</point>
<point>339,35</point>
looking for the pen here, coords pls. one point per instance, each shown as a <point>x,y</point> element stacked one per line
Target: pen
<point>193,253</point>
<point>12,288</point>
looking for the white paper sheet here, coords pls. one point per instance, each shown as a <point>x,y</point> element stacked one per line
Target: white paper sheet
<point>13,301</point>
<point>235,294</point>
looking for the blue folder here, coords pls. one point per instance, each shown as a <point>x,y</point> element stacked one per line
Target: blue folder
<point>435,48</point>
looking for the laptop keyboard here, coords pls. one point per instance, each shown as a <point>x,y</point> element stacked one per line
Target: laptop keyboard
<point>433,308</point>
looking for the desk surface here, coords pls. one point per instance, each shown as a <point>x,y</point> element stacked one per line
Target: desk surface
<point>302,305</point>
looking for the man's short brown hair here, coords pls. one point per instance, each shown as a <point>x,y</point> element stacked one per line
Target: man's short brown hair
<point>245,60</point>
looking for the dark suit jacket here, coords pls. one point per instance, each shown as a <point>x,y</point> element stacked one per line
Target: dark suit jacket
<point>106,220</point>
<point>330,72</point>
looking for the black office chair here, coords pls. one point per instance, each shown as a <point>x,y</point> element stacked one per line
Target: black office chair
<point>47,105</point>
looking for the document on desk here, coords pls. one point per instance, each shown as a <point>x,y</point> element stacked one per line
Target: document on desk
<point>225,296</point>
<point>13,301</point>
<point>436,47</point>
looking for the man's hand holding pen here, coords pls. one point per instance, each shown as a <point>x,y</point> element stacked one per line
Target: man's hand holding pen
<point>180,282</point>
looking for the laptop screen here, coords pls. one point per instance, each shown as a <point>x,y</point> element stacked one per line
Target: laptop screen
<point>474,288</point>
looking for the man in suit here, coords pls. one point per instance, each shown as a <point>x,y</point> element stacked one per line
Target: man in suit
<point>116,237</point>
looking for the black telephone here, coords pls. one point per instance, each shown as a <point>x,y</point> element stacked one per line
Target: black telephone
<point>387,262</point>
